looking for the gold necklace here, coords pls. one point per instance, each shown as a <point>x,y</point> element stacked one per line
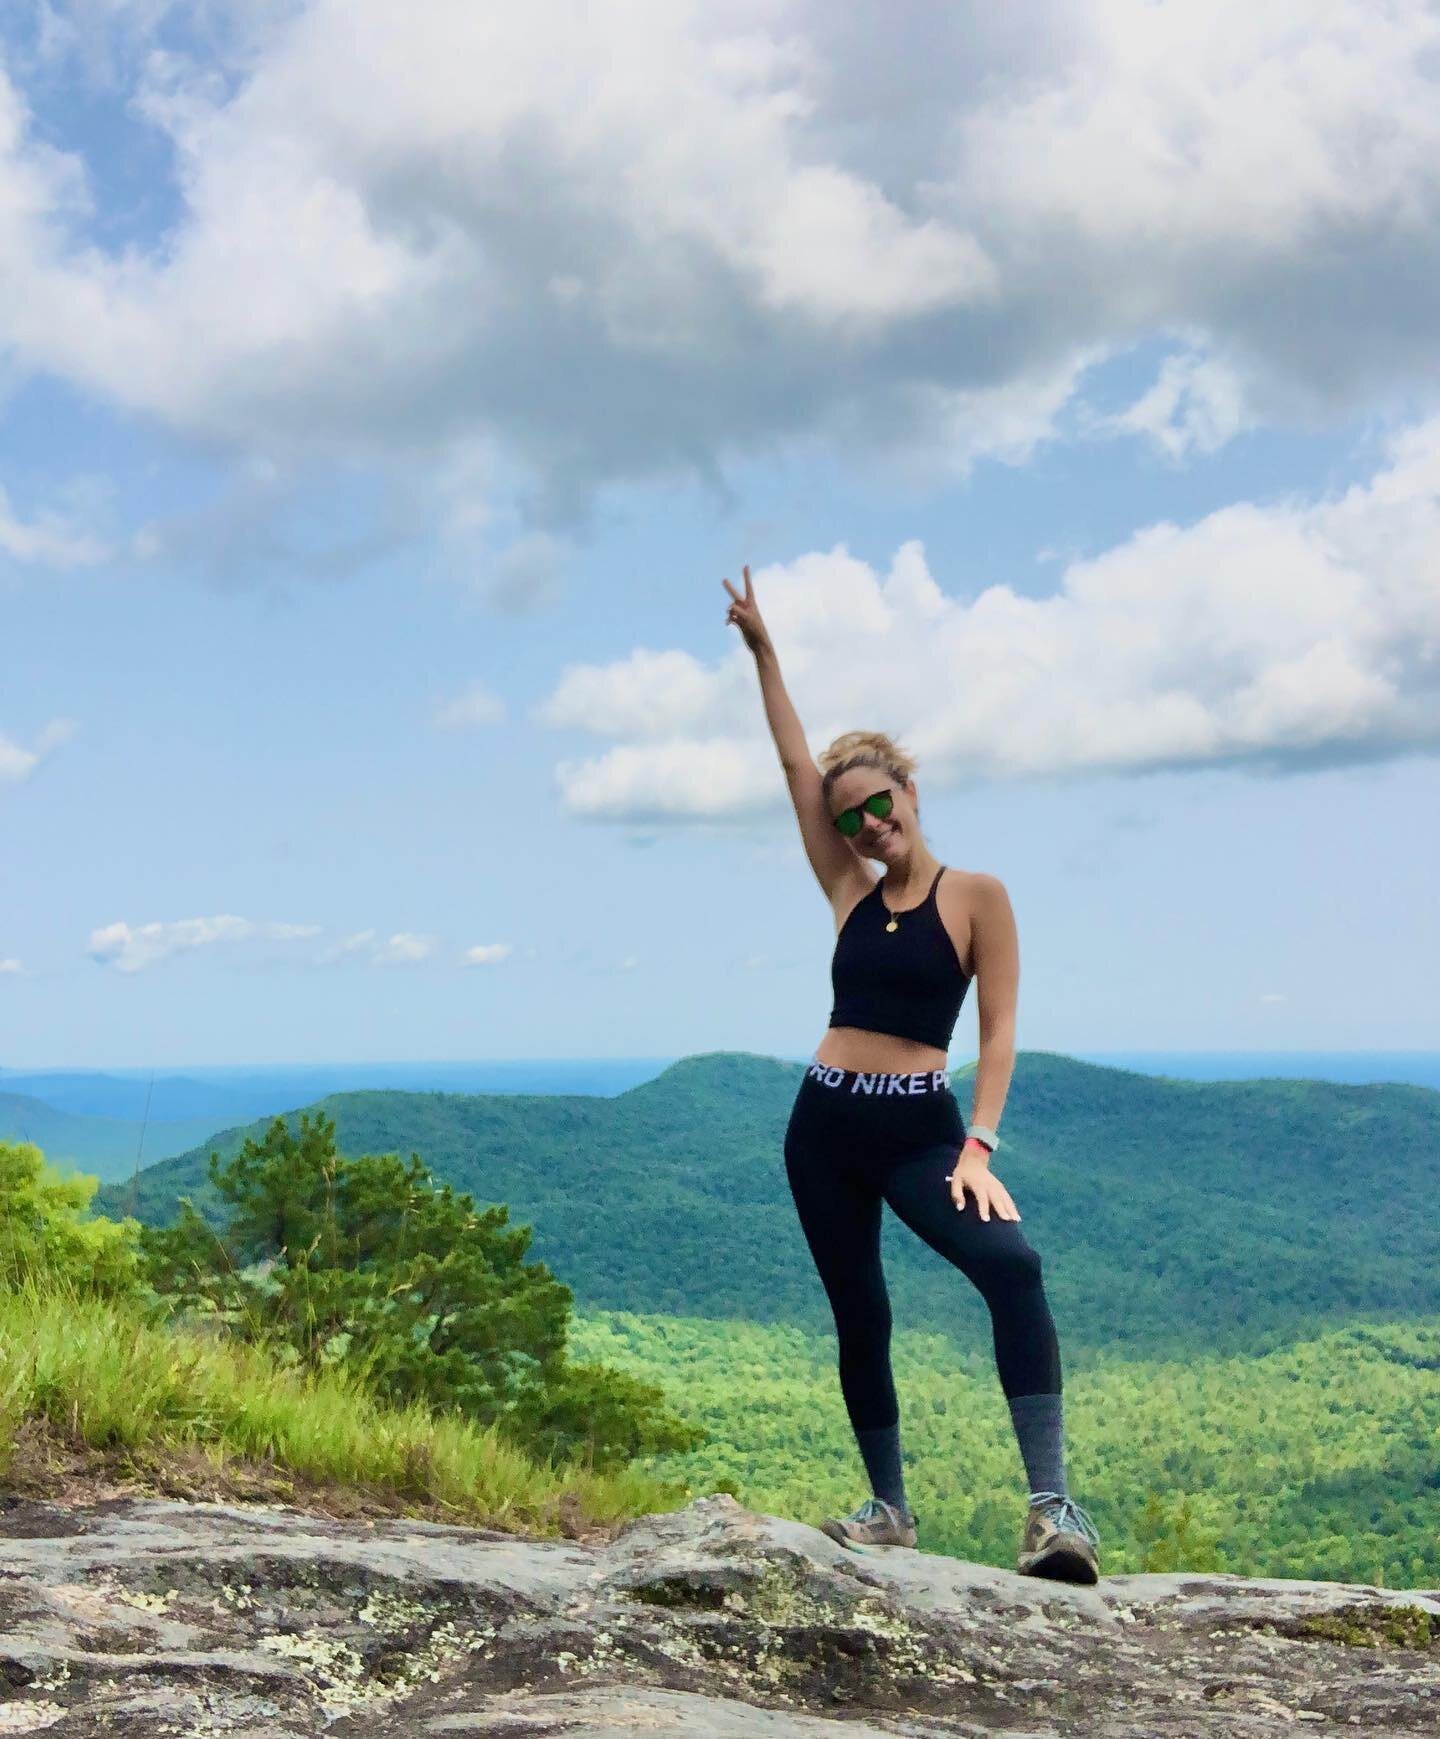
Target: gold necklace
<point>894,923</point>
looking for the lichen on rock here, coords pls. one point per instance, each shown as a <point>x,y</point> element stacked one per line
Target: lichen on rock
<point>194,1620</point>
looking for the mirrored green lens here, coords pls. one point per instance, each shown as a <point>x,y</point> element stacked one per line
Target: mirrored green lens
<point>879,805</point>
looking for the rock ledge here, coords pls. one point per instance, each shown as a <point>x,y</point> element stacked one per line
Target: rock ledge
<point>145,1618</point>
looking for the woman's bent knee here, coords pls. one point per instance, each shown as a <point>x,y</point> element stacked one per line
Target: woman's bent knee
<point>1015,1269</point>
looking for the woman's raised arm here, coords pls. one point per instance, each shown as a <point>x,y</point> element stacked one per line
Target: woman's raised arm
<point>831,859</point>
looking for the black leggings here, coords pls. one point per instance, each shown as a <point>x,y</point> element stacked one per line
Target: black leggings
<point>856,1139</point>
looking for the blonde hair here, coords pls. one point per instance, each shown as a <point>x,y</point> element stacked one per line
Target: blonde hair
<point>864,749</point>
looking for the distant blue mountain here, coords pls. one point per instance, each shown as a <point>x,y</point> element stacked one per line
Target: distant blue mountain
<point>86,1094</point>
<point>226,1097</point>
<point>105,1147</point>
<point>1351,1068</point>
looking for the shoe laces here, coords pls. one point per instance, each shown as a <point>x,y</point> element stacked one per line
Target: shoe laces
<point>1066,1514</point>
<point>874,1508</point>
<point>871,1510</point>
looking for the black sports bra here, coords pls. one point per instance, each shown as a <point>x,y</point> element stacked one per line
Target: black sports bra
<point>906,981</point>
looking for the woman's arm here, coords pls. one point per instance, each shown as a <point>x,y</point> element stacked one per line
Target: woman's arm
<point>997,969</point>
<point>997,973</point>
<point>831,859</point>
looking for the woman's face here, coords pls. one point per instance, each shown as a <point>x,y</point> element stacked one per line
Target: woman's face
<point>885,840</point>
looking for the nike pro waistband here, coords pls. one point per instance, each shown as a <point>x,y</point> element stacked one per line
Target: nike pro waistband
<point>878,1086</point>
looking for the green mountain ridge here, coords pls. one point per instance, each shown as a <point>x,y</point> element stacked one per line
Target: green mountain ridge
<point>105,1147</point>
<point>1171,1215</point>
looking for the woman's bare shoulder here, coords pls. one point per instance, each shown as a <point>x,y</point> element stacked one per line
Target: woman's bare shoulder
<point>967,887</point>
<point>962,894</point>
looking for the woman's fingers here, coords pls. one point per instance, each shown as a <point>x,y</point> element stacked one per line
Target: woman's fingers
<point>989,1193</point>
<point>1002,1204</point>
<point>749,597</point>
<point>998,1199</point>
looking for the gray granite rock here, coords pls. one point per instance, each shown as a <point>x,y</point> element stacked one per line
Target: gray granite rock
<point>146,1618</point>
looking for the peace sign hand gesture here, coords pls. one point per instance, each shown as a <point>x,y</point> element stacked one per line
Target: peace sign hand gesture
<point>745,614</point>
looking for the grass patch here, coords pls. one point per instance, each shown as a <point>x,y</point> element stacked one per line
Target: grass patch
<point>90,1387</point>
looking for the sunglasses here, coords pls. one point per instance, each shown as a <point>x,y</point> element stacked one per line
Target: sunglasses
<point>849,821</point>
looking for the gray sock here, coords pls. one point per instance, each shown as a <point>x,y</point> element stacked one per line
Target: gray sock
<point>880,1451</point>
<point>1040,1427</point>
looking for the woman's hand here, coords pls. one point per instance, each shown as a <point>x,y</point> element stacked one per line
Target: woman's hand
<point>974,1174</point>
<point>745,614</point>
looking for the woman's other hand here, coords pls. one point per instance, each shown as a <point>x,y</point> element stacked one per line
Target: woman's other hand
<point>745,614</point>
<point>975,1175</point>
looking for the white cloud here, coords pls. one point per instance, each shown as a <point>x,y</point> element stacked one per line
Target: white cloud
<point>360,942</point>
<point>11,968</point>
<point>131,950</point>
<point>487,953</point>
<point>1282,637</point>
<point>609,241</point>
<point>48,540</point>
<point>1195,405</point>
<point>477,706</point>
<point>689,778</point>
<point>404,949</point>
<point>17,762</point>
<point>648,694</point>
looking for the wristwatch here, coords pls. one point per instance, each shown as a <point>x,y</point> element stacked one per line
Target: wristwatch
<point>986,1137</point>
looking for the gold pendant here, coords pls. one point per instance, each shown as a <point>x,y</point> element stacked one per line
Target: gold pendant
<point>892,925</point>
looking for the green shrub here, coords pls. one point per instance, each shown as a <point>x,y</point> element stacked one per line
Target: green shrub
<point>45,1234</point>
<point>366,1264</point>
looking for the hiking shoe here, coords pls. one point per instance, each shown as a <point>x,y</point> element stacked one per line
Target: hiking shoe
<point>1059,1542</point>
<point>875,1523</point>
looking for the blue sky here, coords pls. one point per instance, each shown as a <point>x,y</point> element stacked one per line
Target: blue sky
<point>383,395</point>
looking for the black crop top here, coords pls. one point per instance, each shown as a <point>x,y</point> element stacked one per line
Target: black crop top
<point>907,981</point>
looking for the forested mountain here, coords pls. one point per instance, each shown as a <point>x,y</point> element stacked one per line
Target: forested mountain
<point>1171,1215</point>
<point>105,1147</point>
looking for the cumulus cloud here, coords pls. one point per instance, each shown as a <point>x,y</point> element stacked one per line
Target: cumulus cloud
<point>404,948</point>
<point>130,949</point>
<point>487,953</point>
<point>48,540</point>
<point>1195,405</point>
<point>359,942</point>
<point>18,762</point>
<point>477,706</point>
<point>1279,638</point>
<point>610,241</point>
<point>11,968</point>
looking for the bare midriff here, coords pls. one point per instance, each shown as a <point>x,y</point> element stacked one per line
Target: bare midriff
<point>853,1047</point>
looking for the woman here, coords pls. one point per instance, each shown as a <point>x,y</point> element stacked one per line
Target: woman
<point>875,1117</point>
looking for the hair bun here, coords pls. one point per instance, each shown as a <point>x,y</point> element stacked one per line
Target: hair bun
<point>865,749</point>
